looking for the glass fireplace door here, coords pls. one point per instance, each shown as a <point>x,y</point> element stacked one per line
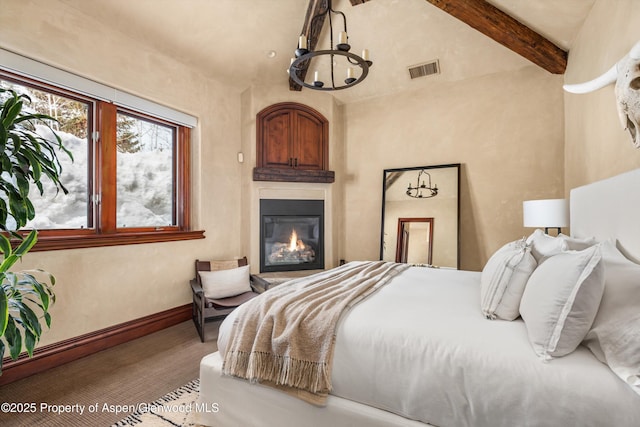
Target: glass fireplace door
<point>291,235</point>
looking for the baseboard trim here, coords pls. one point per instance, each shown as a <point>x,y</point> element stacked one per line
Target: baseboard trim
<point>52,355</point>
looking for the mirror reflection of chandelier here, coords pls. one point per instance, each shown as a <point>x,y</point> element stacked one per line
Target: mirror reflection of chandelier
<point>422,190</point>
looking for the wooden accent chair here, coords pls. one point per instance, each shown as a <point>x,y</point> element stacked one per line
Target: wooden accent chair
<point>205,309</point>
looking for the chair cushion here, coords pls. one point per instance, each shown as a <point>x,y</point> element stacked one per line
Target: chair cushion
<point>231,301</point>
<point>225,283</point>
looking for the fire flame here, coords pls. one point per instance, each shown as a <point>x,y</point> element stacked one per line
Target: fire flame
<point>293,241</point>
<point>293,251</point>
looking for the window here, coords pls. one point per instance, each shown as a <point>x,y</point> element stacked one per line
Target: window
<point>128,181</point>
<point>74,125</point>
<point>145,173</point>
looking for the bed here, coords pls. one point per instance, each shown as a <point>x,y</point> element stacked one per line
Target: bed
<point>420,350</point>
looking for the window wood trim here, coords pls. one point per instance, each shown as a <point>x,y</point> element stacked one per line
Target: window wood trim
<point>75,241</point>
<point>183,186</point>
<point>106,168</point>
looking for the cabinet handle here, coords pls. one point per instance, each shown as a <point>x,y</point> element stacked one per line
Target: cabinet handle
<point>295,162</point>
<point>290,161</point>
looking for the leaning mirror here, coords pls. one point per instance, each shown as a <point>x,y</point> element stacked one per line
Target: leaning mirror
<point>420,215</point>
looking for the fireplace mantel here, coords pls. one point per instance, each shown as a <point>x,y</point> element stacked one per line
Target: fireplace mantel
<point>293,175</point>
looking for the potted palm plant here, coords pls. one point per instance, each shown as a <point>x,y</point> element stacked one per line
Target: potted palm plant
<point>25,159</point>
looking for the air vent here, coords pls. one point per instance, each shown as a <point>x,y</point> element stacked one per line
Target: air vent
<point>423,70</point>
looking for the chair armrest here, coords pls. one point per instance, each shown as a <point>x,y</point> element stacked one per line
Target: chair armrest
<point>195,287</point>
<point>258,284</point>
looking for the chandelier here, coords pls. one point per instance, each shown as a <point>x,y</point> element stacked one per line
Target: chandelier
<point>339,55</point>
<point>417,191</point>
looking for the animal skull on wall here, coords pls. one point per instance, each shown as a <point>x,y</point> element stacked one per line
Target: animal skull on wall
<point>626,75</point>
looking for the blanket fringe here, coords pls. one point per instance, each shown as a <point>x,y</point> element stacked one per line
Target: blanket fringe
<point>281,370</point>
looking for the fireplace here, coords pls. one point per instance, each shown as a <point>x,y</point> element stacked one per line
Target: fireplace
<point>291,235</point>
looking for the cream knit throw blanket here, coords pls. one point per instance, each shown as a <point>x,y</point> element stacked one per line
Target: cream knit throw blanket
<point>285,337</point>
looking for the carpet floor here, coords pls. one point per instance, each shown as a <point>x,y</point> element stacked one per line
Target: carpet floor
<point>103,388</point>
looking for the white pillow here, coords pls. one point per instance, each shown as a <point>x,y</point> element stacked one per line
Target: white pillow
<point>561,300</point>
<point>544,246</point>
<point>577,244</point>
<point>503,280</point>
<point>614,337</point>
<point>225,283</point>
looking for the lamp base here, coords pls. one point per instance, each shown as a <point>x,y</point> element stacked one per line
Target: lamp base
<point>559,230</point>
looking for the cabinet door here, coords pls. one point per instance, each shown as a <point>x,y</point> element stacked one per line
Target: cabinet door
<point>308,142</point>
<point>277,135</point>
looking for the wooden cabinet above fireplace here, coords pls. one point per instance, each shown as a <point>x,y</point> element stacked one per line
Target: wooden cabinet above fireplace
<point>292,144</point>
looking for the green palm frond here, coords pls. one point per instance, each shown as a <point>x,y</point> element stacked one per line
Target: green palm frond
<point>25,159</point>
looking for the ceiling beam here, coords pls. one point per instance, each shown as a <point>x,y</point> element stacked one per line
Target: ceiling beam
<point>311,29</point>
<point>502,28</point>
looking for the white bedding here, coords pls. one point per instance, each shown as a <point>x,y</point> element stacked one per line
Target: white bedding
<point>420,348</point>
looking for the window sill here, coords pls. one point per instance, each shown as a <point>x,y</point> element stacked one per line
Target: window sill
<point>53,243</point>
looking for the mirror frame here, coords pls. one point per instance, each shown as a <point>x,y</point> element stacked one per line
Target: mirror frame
<point>417,168</point>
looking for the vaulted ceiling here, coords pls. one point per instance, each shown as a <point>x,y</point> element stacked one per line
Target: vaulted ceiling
<point>250,42</point>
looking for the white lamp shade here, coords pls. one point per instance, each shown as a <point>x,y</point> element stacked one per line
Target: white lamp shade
<point>553,213</point>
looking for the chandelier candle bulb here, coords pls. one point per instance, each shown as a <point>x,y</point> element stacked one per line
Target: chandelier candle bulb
<point>315,76</point>
<point>350,76</point>
<point>342,37</point>
<point>302,42</point>
<point>365,54</point>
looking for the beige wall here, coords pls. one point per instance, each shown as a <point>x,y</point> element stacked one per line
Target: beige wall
<point>505,129</point>
<point>100,287</point>
<point>596,146</point>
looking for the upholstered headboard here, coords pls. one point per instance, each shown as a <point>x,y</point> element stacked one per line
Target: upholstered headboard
<point>609,209</point>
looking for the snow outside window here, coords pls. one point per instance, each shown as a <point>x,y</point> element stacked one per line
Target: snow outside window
<point>145,173</point>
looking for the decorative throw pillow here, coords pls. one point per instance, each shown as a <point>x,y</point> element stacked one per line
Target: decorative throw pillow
<point>614,337</point>
<point>561,300</point>
<point>225,283</point>
<point>544,246</point>
<point>503,280</point>
<point>576,244</point>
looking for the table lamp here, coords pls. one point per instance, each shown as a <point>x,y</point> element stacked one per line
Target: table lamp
<point>548,213</point>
